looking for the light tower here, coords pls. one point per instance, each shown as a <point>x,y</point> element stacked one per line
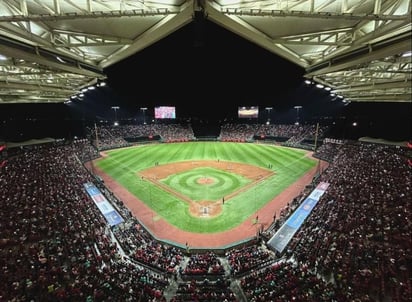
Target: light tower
<point>144,114</point>
<point>268,109</point>
<point>297,114</point>
<point>115,108</point>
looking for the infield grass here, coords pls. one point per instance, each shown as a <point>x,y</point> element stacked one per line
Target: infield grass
<point>123,165</point>
<point>222,183</point>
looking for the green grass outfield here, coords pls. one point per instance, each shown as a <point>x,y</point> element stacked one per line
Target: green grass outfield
<point>287,163</point>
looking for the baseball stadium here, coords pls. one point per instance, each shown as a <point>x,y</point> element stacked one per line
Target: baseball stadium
<point>190,151</point>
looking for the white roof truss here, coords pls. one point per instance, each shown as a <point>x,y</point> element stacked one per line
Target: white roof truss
<point>52,49</point>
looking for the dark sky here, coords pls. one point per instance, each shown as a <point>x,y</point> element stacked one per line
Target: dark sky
<point>203,68</point>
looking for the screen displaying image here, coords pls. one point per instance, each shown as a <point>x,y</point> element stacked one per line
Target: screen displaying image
<point>165,112</point>
<point>248,112</point>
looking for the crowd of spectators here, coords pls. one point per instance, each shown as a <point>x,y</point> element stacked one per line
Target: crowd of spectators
<point>360,233</point>
<point>248,258</point>
<point>116,136</point>
<point>105,137</point>
<point>203,264</point>
<point>288,281</point>
<point>205,291</point>
<point>293,132</point>
<point>170,133</point>
<point>329,149</point>
<point>56,245</point>
<point>237,132</point>
<point>140,246</point>
<point>288,134</point>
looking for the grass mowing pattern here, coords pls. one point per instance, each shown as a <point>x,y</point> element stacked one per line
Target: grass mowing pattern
<point>124,164</point>
<point>223,184</point>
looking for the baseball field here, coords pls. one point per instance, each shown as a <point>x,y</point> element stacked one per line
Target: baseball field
<point>205,187</point>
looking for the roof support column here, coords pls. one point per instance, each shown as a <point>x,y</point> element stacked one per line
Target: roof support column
<point>377,10</point>
<point>377,7</point>
<point>312,6</point>
<point>23,7</point>
<point>344,6</point>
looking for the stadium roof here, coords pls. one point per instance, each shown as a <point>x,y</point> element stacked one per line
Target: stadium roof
<point>51,50</point>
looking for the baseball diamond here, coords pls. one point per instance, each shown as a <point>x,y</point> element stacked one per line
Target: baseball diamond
<point>177,190</point>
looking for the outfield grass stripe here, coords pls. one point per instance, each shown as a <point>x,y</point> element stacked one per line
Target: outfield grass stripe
<point>171,153</point>
<point>182,152</point>
<point>240,153</point>
<point>212,150</point>
<point>283,158</point>
<point>130,156</point>
<point>131,160</point>
<point>286,155</point>
<point>186,154</point>
<point>260,155</point>
<point>161,155</point>
<point>224,151</point>
<point>116,166</point>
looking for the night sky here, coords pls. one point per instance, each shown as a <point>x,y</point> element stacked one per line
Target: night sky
<point>204,69</point>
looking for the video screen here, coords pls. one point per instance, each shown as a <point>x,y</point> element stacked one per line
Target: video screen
<point>248,112</point>
<point>165,112</point>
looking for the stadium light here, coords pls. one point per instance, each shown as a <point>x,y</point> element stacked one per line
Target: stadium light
<point>115,108</point>
<point>297,114</point>
<point>268,109</point>
<point>144,114</point>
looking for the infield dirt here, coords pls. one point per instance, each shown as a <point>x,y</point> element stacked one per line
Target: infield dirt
<point>255,174</point>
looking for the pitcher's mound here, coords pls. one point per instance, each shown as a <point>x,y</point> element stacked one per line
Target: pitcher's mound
<point>205,181</point>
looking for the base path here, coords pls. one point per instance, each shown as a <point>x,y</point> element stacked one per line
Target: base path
<point>162,230</point>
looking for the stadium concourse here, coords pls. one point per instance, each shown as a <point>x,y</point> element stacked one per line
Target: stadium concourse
<point>57,245</point>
